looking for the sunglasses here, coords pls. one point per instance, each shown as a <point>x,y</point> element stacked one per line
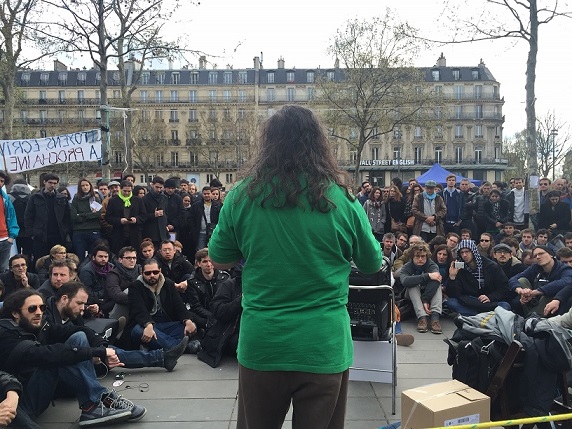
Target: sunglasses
<point>486,241</point>
<point>33,308</point>
<point>154,272</point>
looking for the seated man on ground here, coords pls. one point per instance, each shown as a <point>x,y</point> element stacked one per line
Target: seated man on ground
<point>40,355</point>
<point>158,318</point>
<point>422,283</point>
<point>93,276</point>
<point>174,266</point>
<point>511,265</point>
<point>17,277</point>
<point>481,285</point>
<point>389,248</point>
<point>118,280</point>
<point>564,255</point>
<point>545,287</point>
<point>67,307</point>
<point>60,272</point>
<point>10,392</point>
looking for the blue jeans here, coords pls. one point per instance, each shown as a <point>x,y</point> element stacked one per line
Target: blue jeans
<point>465,310</point>
<point>140,358</point>
<point>83,242</point>
<point>40,389</point>
<point>169,334</point>
<point>5,247</point>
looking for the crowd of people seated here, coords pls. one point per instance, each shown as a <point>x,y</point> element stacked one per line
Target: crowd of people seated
<point>135,256</point>
<point>463,249</point>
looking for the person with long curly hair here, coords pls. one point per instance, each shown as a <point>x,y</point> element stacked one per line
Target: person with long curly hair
<point>293,215</point>
<point>395,211</point>
<point>375,210</point>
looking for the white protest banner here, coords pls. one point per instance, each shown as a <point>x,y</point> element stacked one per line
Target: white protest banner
<point>29,154</point>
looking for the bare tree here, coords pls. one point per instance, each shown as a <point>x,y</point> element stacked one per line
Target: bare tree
<point>516,152</point>
<point>553,143</point>
<point>377,89</point>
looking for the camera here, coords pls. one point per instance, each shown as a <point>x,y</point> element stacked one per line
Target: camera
<point>459,265</point>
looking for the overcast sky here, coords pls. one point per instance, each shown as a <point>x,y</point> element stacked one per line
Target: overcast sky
<point>300,31</point>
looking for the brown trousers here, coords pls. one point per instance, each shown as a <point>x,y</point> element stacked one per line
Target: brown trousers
<point>264,397</point>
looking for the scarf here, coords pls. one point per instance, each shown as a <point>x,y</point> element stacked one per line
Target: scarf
<point>429,197</point>
<point>126,200</point>
<point>478,274</point>
<point>496,210</point>
<point>101,271</point>
<point>130,274</point>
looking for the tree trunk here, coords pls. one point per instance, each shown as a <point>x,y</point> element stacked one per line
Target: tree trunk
<point>530,103</point>
<point>105,167</point>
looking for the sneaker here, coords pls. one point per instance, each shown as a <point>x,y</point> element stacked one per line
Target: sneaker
<point>101,414</point>
<point>404,339</point>
<point>422,325</point>
<point>171,356</point>
<point>194,347</point>
<point>436,327</point>
<point>122,321</point>
<point>115,401</point>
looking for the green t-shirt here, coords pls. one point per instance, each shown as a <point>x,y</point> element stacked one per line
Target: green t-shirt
<point>295,280</point>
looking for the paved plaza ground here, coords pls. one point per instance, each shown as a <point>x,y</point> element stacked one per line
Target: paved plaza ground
<point>196,396</point>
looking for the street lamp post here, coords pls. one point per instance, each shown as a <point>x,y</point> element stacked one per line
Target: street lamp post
<point>398,137</point>
<point>553,133</point>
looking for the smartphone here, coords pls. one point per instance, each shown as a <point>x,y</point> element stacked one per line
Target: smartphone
<point>459,265</point>
<point>108,333</point>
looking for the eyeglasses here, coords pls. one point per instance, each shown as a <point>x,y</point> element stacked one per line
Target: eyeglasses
<point>33,308</point>
<point>132,258</point>
<point>154,272</point>
<point>52,183</point>
<point>17,267</point>
<point>485,241</point>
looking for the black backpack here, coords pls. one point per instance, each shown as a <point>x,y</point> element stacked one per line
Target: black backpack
<point>20,204</point>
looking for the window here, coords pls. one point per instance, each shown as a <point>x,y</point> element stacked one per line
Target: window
<point>241,96</point>
<point>310,77</point>
<point>213,78</point>
<point>174,116</point>
<point>118,156</point>
<point>226,95</point>
<point>498,153</point>
<point>458,112</point>
<point>116,93</point>
<point>145,77</point>
<point>43,97</point>
<point>456,75</point>
<point>81,114</point>
<point>115,77</point>
<point>192,96</point>
<point>158,96</point>
<point>458,131</point>
<point>226,114</point>
<point>62,114</point>
<point>418,133</point>
<point>43,134</point>
<point>459,155</point>
<point>212,134</point>
<point>311,94</point>
<point>145,115</point>
<point>438,112</point>
<point>227,78</point>
<point>375,133</point>
<point>396,152</point>
<point>159,115</point>
<point>174,159</point>
<point>175,78</point>
<point>478,154</point>
<point>270,77</point>
<point>330,76</point>
<point>194,78</point>
<point>193,134</point>
<point>174,96</point>
<point>417,154</point>
<point>210,176</point>
<point>160,78</point>
<point>229,178</point>
<point>98,95</point>
<point>80,96</point>
<point>438,154</point>
<point>25,78</point>
<point>270,94</point>
<point>212,95</point>
<point>241,113</point>
<point>23,115</point>
<point>290,77</point>
<point>212,115</point>
<point>160,158</point>
<point>478,131</point>
<point>479,111</point>
<point>495,92</point>
<point>193,158</point>
<point>438,90</point>
<point>353,133</point>
<point>43,116</point>
<point>478,91</point>
<point>290,94</point>
<point>459,92</point>
<point>475,74</point>
<point>44,79</point>
<point>242,77</point>
<point>353,155</point>
<point>63,78</point>
<point>62,96</point>
<point>193,116</point>
<point>439,132</point>
<point>374,153</point>
<point>98,77</point>
<point>144,95</point>
<point>435,75</point>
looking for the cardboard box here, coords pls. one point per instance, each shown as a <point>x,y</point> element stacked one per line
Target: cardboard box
<point>443,404</point>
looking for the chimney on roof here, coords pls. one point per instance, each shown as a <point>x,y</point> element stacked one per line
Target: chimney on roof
<point>202,62</point>
<point>59,66</point>
<point>256,63</point>
<point>441,61</point>
<point>337,63</point>
<point>481,64</point>
<point>281,62</point>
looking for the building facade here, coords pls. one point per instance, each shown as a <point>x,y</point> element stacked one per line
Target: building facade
<point>197,123</point>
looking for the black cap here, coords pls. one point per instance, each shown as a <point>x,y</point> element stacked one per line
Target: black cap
<point>547,249</point>
<point>502,246</point>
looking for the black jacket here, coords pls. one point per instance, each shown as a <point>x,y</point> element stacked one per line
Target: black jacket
<point>490,220</point>
<point>198,211</point>
<point>180,267</point>
<point>11,285</point>
<point>116,210</point>
<point>558,214</point>
<point>174,210</point>
<point>36,216</point>
<point>155,228</point>
<point>200,293</point>
<point>21,352</point>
